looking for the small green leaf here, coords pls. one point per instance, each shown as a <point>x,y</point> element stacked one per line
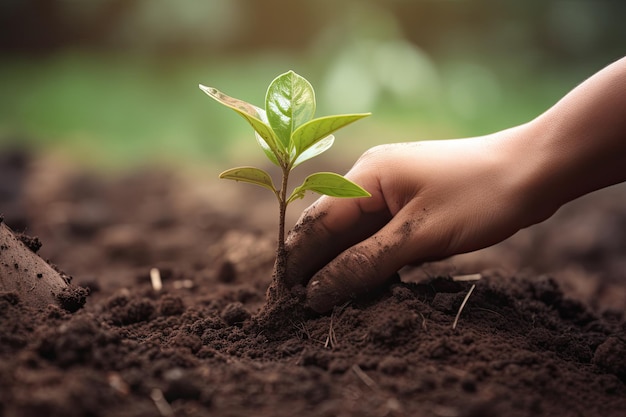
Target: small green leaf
<point>251,175</point>
<point>319,147</point>
<point>266,149</point>
<point>309,133</point>
<point>330,184</point>
<point>254,115</point>
<point>289,102</point>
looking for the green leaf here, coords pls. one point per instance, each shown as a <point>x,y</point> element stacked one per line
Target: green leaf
<point>317,148</point>
<point>254,115</point>
<point>251,175</point>
<point>309,133</point>
<point>289,102</point>
<point>328,183</point>
<point>266,149</point>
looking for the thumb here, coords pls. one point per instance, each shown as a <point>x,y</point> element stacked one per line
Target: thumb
<point>364,267</point>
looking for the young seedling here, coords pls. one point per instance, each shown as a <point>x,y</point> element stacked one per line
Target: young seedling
<point>289,136</point>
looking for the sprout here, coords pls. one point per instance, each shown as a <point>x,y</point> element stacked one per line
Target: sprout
<point>289,136</point>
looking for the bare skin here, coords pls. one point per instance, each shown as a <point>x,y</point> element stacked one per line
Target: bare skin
<point>434,199</point>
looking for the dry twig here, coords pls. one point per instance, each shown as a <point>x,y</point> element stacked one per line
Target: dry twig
<point>331,339</point>
<point>423,321</point>
<point>301,326</point>
<point>364,377</point>
<point>155,279</point>
<point>391,405</point>
<point>465,278</point>
<point>165,409</point>
<point>458,314</point>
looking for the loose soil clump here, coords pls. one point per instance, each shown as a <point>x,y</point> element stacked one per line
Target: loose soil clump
<point>530,341</point>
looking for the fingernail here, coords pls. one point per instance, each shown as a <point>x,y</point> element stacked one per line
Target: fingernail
<point>322,298</point>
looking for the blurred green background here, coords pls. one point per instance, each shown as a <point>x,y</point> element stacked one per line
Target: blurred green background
<point>113,83</point>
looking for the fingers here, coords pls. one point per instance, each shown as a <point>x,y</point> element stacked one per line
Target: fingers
<point>366,266</point>
<point>323,231</point>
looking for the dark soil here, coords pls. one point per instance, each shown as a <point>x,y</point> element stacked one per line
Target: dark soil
<point>542,334</point>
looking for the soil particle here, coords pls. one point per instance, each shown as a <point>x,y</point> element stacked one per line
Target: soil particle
<point>611,356</point>
<point>77,342</point>
<point>73,299</point>
<point>128,311</point>
<point>234,313</point>
<point>170,305</point>
<point>32,243</point>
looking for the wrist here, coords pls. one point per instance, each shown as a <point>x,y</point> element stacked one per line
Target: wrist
<point>534,171</point>
<point>579,144</point>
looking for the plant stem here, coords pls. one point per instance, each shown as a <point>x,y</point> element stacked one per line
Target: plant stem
<point>278,289</point>
<point>282,201</point>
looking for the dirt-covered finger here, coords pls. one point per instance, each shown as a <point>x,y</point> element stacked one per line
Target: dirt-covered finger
<point>307,248</point>
<point>364,268</point>
<point>325,230</point>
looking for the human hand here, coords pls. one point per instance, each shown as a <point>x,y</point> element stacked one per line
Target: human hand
<point>430,200</point>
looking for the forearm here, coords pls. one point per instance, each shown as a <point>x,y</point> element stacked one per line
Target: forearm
<point>579,145</point>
